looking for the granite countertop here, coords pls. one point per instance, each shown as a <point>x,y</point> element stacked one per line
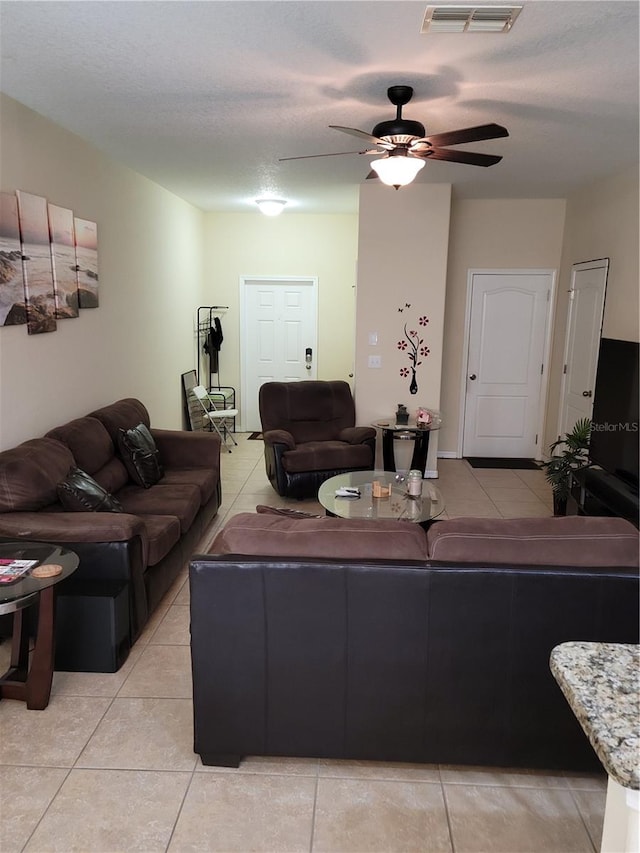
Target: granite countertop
<point>600,683</point>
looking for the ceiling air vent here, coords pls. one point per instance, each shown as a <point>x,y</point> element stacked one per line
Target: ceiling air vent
<point>469,19</point>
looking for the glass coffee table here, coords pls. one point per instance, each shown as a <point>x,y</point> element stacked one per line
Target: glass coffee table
<point>398,505</point>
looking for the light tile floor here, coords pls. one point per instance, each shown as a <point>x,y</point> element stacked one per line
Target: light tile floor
<point>109,765</point>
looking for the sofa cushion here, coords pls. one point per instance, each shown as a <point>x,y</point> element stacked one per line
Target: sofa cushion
<point>79,492</point>
<point>326,456</point>
<point>163,531</point>
<point>112,476</point>
<point>571,541</point>
<point>204,478</point>
<point>124,414</point>
<point>30,473</point>
<point>183,502</point>
<point>89,442</point>
<point>93,451</point>
<point>334,538</point>
<point>140,455</point>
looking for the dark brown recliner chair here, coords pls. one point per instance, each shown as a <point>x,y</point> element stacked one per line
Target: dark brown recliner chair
<point>310,435</point>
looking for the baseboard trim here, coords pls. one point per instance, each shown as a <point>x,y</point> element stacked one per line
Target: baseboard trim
<point>447,454</point>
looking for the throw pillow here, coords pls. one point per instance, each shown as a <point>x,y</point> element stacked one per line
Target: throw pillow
<point>79,492</point>
<point>263,509</point>
<point>140,455</point>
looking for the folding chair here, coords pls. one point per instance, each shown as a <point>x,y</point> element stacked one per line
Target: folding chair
<point>217,417</point>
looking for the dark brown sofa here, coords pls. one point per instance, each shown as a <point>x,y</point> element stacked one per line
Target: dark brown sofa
<point>373,640</point>
<point>147,544</point>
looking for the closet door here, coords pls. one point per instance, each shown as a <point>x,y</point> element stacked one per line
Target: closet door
<point>506,353</point>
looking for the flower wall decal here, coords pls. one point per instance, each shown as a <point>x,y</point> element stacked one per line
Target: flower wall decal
<point>414,346</point>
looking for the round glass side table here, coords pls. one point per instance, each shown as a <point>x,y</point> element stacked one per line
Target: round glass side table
<point>30,681</point>
<point>391,432</point>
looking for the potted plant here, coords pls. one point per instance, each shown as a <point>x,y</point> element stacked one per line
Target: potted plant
<point>573,457</point>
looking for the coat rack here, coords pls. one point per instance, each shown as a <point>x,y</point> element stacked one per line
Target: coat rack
<point>224,396</point>
<point>205,322</point>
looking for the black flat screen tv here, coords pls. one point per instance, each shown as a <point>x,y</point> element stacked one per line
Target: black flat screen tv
<point>615,435</point>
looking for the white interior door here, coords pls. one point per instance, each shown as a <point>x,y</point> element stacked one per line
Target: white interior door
<point>582,341</point>
<point>507,341</point>
<point>278,336</point>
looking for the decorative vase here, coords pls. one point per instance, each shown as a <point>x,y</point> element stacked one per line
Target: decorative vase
<point>402,415</point>
<point>413,388</point>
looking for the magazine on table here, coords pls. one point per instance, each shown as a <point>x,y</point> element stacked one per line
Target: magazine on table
<point>13,570</point>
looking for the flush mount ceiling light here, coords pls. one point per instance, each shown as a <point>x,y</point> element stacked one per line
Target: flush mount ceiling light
<point>469,19</point>
<point>397,170</point>
<point>271,206</point>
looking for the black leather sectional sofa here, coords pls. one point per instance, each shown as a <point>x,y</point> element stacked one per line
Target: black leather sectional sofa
<point>438,656</point>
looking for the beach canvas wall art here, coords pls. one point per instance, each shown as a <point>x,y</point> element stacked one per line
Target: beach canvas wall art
<point>63,254</point>
<point>38,269</point>
<point>87,262</point>
<point>48,262</point>
<point>12,307</point>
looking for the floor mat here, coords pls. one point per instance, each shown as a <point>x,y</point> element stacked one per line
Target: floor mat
<point>255,436</point>
<point>498,462</point>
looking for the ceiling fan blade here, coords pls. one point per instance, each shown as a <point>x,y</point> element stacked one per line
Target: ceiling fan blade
<point>352,131</point>
<point>470,157</point>
<point>468,134</point>
<point>372,175</point>
<point>334,154</point>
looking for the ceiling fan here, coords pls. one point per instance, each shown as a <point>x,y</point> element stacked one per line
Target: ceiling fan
<point>405,148</point>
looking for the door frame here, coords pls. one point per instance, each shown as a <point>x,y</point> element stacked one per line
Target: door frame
<point>548,339</point>
<point>245,280</point>
<point>600,263</point>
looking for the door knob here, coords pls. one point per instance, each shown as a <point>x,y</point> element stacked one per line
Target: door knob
<point>586,393</point>
<point>473,376</point>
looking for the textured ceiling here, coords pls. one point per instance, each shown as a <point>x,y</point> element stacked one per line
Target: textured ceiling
<point>204,97</point>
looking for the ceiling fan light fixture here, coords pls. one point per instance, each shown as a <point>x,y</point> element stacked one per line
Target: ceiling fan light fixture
<point>271,206</point>
<point>397,171</point>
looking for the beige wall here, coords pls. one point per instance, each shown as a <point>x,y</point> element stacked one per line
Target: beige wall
<point>139,340</point>
<point>402,258</point>
<point>160,258</point>
<point>602,222</point>
<point>289,245</point>
<point>489,234</point>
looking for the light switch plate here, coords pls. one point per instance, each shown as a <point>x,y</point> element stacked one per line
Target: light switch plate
<point>373,339</point>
